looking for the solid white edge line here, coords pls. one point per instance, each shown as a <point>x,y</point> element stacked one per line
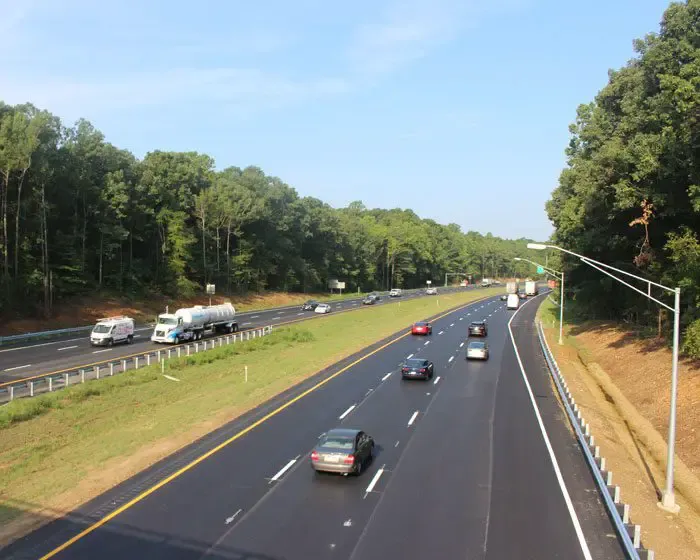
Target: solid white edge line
<point>374,480</point>
<point>413,418</point>
<point>436,380</point>
<point>284,470</point>
<point>387,376</point>
<point>550,450</point>
<point>348,411</point>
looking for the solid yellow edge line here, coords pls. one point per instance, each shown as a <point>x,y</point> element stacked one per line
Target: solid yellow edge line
<point>233,438</point>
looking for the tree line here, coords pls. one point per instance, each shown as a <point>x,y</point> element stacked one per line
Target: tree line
<point>630,194</point>
<point>81,215</point>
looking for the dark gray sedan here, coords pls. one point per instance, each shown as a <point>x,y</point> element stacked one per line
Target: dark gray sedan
<point>417,368</point>
<point>343,450</point>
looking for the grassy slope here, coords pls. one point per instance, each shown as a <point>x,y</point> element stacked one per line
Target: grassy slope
<point>63,448</point>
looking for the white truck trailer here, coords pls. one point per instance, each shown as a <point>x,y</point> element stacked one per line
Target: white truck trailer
<point>192,323</point>
<point>531,288</point>
<point>512,288</point>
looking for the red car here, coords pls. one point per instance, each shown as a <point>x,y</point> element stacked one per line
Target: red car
<point>422,327</point>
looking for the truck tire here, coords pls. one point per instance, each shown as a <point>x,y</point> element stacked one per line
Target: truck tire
<point>130,339</point>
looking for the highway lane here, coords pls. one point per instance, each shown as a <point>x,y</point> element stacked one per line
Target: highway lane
<point>439,483</point>
<point>237,473</point>
<point>20,362</point>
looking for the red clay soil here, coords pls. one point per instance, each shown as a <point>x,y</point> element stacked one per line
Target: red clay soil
<point>642,370</point>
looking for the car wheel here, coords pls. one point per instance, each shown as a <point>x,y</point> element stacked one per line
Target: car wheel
<point>130,339</point>
<point>110,343</point>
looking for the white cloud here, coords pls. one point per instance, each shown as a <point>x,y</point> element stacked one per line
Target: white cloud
<point>229,86</point>
<point>407,30</point>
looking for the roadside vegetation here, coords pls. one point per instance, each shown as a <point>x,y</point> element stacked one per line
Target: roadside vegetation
<point>63,448</point>
<point>630,195</point>
<point>83,216</point>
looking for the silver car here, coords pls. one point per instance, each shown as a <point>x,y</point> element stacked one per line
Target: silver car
<point>343,450</point>
<point>477,350</point>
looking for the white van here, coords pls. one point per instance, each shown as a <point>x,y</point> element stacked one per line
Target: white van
<point>513,301</point>
<point>396,292</point>
<point>112,330</point>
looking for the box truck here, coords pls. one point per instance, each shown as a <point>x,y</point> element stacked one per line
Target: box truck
<point>531,288</point>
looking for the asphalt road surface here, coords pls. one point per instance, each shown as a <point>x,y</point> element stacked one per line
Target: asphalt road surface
<point>20,362</point>
<point>462,469</point>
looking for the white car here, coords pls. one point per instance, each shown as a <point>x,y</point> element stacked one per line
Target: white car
<point>431,292</point>
<point>396,292</point>
<point>477,350</point>
<point>322,308</point>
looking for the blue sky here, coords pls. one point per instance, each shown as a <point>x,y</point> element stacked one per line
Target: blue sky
<point>457,109</point>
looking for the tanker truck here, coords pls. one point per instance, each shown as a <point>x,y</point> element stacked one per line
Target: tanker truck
<point>192,323</point>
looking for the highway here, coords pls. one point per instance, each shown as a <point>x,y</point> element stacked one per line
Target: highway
<point>20,362</point>
<point>478,463</point>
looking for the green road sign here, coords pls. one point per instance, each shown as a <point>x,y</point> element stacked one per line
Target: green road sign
<point>540,270</point>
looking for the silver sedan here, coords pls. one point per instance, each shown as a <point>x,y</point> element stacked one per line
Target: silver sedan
<point>345,451</point>
<point>477,350</point>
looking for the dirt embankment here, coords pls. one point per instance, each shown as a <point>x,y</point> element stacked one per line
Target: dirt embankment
<point>622,385</point>
<point>85,311</point>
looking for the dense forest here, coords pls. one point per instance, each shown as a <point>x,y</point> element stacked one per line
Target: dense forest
<point>630,195</point>
<point>80,215</point>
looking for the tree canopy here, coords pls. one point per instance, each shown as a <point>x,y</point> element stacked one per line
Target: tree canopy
<point>79,215</point>
<point>630,194</point>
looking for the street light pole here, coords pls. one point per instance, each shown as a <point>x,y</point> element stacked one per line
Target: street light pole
<point>668,499</point>
<point>553,272</point>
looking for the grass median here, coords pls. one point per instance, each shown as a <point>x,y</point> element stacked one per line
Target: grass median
<point>63,448</point>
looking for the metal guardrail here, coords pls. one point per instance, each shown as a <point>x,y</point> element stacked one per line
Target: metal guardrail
<point>618,511</point>
<point>59,380</point>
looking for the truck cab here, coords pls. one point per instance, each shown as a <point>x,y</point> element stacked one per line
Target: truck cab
<point>169,328</point>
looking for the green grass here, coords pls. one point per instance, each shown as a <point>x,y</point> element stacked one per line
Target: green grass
<point>108,429</point>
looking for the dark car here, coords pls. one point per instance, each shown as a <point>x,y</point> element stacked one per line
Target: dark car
<point>370,300</point>
<point>504,297</point>
<point>310,305</point>
<point>417,368</point>
<point>343,450</point>
<point>478,328</point>
<point>522,295</point>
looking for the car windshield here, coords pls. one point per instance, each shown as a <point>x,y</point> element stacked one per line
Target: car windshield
<point>477,345</point>
<point>102,329</point>
<point>338,442</point>
<point>416,363</point>
<point>477,324</point>
<point>421,324</point>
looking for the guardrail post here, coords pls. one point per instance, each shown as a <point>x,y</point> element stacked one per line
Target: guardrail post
<point>50,384</point>
<point>111,368</point>
<point>196,347</point>
<point>82,376</point>
<point>254,333</point>
<point>123,366</point>
<point>178,351</point>
<point>168,353</point>
<point>31,388</point>
<point>97,372</point>
<point>228,340</point>
<point>12,392</point>
<point>158,356</point>
<point>65,381</point>
<point>247,335</point>
<point>148,359</point>
<point>188,349</point>
<point>136,362</point>
<point>205,345</point>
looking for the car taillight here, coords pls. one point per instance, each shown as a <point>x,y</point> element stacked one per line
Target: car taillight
<point>422,370</point>
<point>349,460</point>
<point>314,455</point>
<point>404,369</point>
